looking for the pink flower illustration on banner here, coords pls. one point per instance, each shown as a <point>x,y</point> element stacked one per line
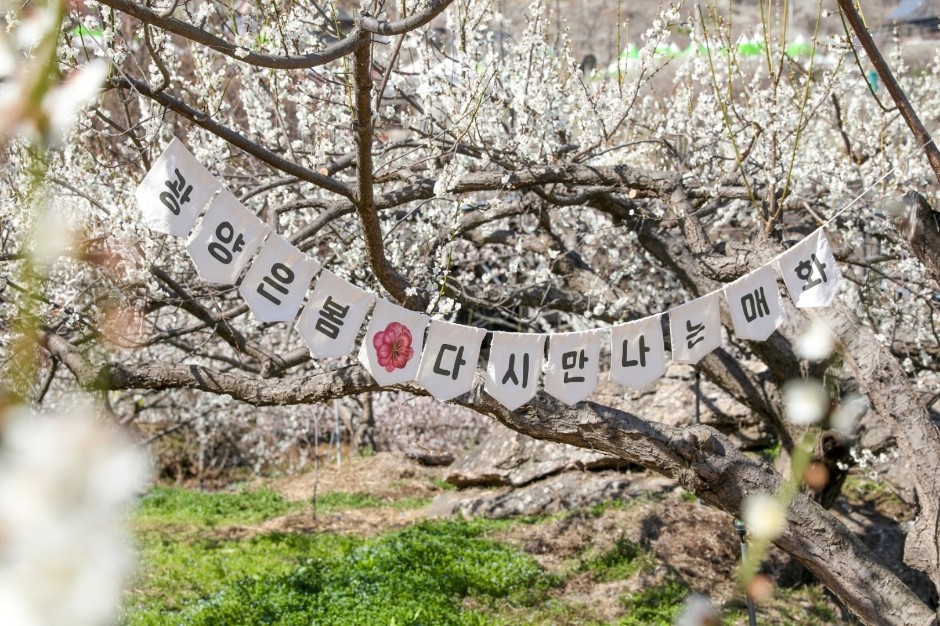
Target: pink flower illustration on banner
<point>393,346</point>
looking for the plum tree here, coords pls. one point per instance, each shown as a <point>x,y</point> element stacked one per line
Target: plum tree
<point>421,152</point>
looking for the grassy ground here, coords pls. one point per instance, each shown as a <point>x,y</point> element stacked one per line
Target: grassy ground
<point>256,557</point>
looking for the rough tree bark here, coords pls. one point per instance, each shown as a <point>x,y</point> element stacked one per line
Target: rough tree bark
<point>699,458</point>
<point>883,379</point>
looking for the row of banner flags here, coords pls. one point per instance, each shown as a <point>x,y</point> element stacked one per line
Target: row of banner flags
<point>397,349</point>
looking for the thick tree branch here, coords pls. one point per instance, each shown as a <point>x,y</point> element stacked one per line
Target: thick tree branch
<point>404,25</point>
<point>396,284</point>
<point>881,377</point>
<point>236,139</point>
<point>920,225</point>
<point>221,324</point>
<point>615,178</point>
<point>699,458</point>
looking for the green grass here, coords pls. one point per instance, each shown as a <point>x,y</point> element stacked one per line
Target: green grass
<point>419,575</point>
<point>622,561</point>
<point>344,501</point>
<point>655,606</point>
<point>177,506</point>
<point>178,571</point>
<point>206,561</point>
<point>172,505</point>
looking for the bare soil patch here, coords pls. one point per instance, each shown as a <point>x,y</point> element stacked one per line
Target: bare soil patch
<point>385,475</point>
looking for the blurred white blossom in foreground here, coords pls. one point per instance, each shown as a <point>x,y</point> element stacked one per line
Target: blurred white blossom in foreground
<point>816,343</point>
<point>805,401</point>
<point>66,481</point>
<point>763,516</point>
<point>697,610</point>
<point>845,419</point>
<point>35,100</point>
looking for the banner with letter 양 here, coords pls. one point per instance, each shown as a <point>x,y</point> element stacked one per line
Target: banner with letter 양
<point>226,238</point>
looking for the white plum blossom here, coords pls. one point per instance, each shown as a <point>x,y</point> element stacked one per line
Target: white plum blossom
<point>763,516</point>
<point>817,342</point>
<point>851,410</point>
<point>66,481</point>
<point>805,401</point>
<point>697,610</point>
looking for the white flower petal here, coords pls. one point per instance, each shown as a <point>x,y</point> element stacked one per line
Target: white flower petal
<point>845,418</point>
<point>697,610</point>
<point>816,343</point>
<point>805,401</point>
<point>63,102</point>
<point>65,482</point>
<point>763,516</point>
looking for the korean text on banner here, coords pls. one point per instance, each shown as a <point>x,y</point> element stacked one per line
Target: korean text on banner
<point>333,316</point>
<point>391,350</point>
<point>573,365</point>
<point>174,191</point>
<point>637,352</point>
<point>450,359</point>
<point>755,306</point>
<point>277,280</point>
<point>226,238</point>
<point>810,271</point>
<point>695,328</point>
<point>512,372</point>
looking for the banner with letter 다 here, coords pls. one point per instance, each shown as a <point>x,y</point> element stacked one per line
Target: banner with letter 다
<point>394,350</point>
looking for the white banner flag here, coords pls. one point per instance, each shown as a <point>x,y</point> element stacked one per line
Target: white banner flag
<point>637,352</point>
<point>755,306</point>
<point>449,359</point>
<point>810,271</point>
<point>175,190</point>
<point>226,238</point>
<point>573,365</point>
<point>695,328</point>
<point>277,280</point>
<point>333,316</point>
<point>391,350</point>
<point>512,372</point>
